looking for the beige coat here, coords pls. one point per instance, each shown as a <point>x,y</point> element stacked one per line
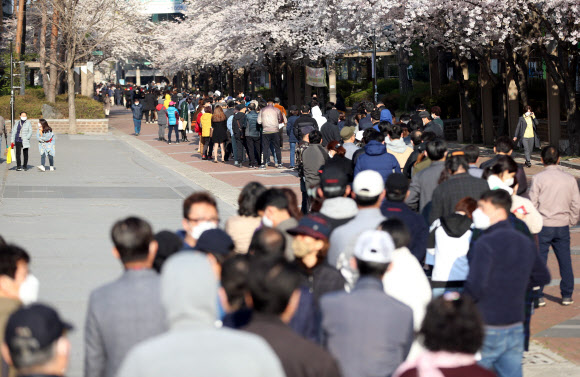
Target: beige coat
<point>241,229</point>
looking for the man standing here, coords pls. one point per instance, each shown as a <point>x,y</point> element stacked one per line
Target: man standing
<point>128,310</point>
<point>239,130</point>
<point>137,110</point>
<point>272,206</point>
<point>36,343</point>
<point>270,118</point>
<point>431,125</point>
<point>376,157</point>
<point>503,263</point>
<point>282,110</point>
<point>305,123</point>
<point>194,343</point>
<point>274,285</point>
<point>472,154</point>
<point>329,129</point>
<point>313,158</point>
<point>348,138</point>
<point>367,331</point>
<point>555,194</point>
<point>436,115</point>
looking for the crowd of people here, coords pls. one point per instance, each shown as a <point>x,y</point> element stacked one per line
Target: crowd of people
<point>405,259</point>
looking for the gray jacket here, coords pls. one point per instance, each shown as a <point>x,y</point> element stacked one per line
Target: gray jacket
<point>194,346</point>
<point>313,158</point>
<point>25,133</point>
<point>422,186</point>
<point>121,314</point>
<point>283,227</point>
<point>365,347</point>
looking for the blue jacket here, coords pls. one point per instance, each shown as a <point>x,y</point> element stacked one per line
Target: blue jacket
<point>171,115</point>
<point>415,223</point>
<point>290,129</point>
<point>253,128</point>
<point>376,158</point>
<point>137,111</point>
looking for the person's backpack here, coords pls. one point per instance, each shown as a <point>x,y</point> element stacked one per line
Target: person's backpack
<point>159,107</point>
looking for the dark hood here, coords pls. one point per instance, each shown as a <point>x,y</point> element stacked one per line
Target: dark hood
<point>374,148</point>
<point>239,115</point>
<point>456,225</point>
<point>332,116</point>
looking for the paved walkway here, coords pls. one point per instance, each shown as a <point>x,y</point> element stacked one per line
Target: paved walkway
<point>64,217</point>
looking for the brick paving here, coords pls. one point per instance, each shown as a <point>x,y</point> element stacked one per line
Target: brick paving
<point>544,318</point>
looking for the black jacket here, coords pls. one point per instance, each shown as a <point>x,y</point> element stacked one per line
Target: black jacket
<point>149,102</point>
<point>521,129</point>
<point>304,125</point>
<point>299,357</point>
<point>239,124</point>
<point>343,164</point>
<point>329,129</point>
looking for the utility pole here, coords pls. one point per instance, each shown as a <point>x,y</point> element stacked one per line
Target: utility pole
<point>11,86</point>
<point>374,67</point>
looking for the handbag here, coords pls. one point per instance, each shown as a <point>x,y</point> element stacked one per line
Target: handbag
<point>180,126</point>
<point>9,155</point>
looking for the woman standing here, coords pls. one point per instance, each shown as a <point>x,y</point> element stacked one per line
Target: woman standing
<point>107,103</point>
<point>21,134</point>
<point>172,118</point>
<point>527,135</point>
<point>46,146</point>
<point>205,122</point>
<point>220,132</point>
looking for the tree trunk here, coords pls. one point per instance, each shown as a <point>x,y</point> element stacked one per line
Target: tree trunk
<point>20,32</point>
<point>72,118</point>
<point>405,85</point>
<point>42,47</point>
<point>53,70</point>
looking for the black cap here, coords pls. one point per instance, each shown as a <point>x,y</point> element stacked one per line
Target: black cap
<point>240,107</point>
<point>397,182</point>
<point>293,108</point>
<point>215,241</point>
<point>333,178</point>
<point>33,328</point>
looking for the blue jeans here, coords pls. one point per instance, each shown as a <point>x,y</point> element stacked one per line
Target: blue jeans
<point>137,124</point>
<point>502,350</point>
<point>292,154</point>
<point>174,129</point>
<point>559,239</point>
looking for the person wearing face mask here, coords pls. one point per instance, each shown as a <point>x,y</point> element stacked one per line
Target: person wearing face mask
<point>21,134</point>
<point>199,214</point>
<point>526,134</point>
<point>273,207</point>
<point>502,174</point>
<point>310,246</point>
<point>137,110</point>
<point>14,293</point>
<point>338,159</point>
<point>503,265</point>
<point>46,141</point>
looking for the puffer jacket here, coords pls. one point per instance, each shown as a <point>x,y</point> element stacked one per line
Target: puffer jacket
<point>252,126</point>
<point>376,158</point>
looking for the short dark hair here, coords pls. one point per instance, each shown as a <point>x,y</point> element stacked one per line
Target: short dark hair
<point>368,135</point>
<point>252,106</point>
<point>502,164</point>
<point>395,132</point>
<point>428,136</point>
<point>248,197</point>
<point>371,269</point>
<point>23,112</point>
<point>305,109</point>
<point>315,137</point>
<point>231,103</point>
<point>10,255</point>
<point>272,197</point>
<point>376,114</point>
<point>416,137</point>
<point>471,152</point>
<point>504,144</point>
<point>377,136</point>
<point>398,230</point>
<point>550,155</point>
<point>363,201</point>
<point>168,243</point>
<point>272,281</point>
<point>234,280</point>
<point>436,110</point>
<point>197,197</point>
<point>452,323</point>
<point>132,237</point>
<point>499,199</point>
<point>267,242</point>
<point>436,149</point>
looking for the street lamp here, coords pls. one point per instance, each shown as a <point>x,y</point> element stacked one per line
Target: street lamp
<point>374,65</point>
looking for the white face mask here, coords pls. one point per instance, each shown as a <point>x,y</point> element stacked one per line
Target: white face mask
<point>480,219</point>
<point>267,222</point>
<point>28,292</point>
<point>528,114</point>
<point>202,227</point>
<point>23,118</point>
<point>330,154</point>
<point>509,182</point>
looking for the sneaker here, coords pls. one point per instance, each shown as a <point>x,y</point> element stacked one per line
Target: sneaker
<point>41,168</point>
<point>567,301</point>
<point>18,168</point>
<point>52,168</point>
<point>169,142</point>
<point>280,166</point>
<point>236,163</point>
<point>262,167</point>
<point>25,168</point>
<point>541,302</point>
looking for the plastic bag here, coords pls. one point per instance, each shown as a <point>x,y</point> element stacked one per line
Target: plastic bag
<point>9,155</point>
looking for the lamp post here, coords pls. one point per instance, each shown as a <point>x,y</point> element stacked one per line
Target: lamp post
<point>374,66</point>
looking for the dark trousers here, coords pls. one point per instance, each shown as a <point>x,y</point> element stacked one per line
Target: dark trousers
<point>281,133</point>
<point>305,198</point>
<point>241,145</point>
<point>173,129</point>
<point>559,239</point>
<point>149,115</point>
<point>254,150</point>
<point>207,147</point>
<point>24,151</point>
<point>271,140</point>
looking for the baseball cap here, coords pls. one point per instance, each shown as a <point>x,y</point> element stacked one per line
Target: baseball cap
<point>171,103</point>
<point>424,114</point>
<point>333,179</point>
<point>33,328</point>
<point>240,107</point>
<point>293,108</point>
<point>346,133</point>
<point>397,182</point>
<point>374,246</point>
<point>314,226</point>
<point>368,184</point>
<point>215,241</point>
<point>359,135</point>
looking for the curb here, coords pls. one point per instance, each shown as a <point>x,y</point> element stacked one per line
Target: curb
<point>218,188</point>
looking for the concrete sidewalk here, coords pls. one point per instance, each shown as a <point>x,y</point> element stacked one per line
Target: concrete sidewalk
<point>63,218</point>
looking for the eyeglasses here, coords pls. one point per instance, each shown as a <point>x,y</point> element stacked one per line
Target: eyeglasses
<point>203,219</point>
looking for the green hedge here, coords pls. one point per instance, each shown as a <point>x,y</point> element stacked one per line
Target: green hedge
<point>32,101</point>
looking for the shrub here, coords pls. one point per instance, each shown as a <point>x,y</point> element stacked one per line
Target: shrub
<point>32,101</point>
